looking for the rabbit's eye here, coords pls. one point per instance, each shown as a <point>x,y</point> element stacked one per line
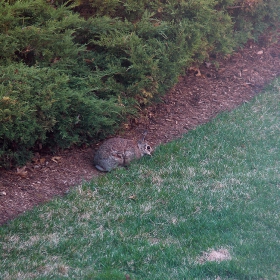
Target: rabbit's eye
<point>148,148</point>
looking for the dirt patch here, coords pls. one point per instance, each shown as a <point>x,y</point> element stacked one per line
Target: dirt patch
<point>199,96</point>
<point>214,256</point>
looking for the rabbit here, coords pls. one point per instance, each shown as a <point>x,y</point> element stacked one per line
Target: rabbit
<point>116,152</point>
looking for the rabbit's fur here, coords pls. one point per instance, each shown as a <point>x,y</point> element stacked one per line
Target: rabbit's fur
<point>116,152</point>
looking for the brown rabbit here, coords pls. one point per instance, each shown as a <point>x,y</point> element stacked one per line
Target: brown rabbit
<point>116,152</point>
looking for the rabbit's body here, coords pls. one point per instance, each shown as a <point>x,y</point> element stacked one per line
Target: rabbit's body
<point>119,152</point>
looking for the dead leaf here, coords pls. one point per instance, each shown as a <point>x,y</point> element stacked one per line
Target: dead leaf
<point>198,74</point>
<point>56,159</point>
<point>3,193</point>
<point>260,52</point>
<point>196,70</point>
<point>133,197</point>
<point>127,277</point>
<point>88,60</point>
<point>208,64</point>
<point>160,9</point>
<point>22,172</point>
<point>38,160</point>
<point>221,70</point>
<point>55,60</point>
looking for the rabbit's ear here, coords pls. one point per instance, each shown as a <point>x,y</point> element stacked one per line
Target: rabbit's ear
<point>144,135</point>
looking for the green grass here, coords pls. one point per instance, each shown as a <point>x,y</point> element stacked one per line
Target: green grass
<point>217,188</point>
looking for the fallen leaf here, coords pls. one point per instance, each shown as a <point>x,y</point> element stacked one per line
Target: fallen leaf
<point>196,70</point>
<point>133,197</point>
<point>36,161</point>
<point>88,60</point>
<point>36,158</point>
<point>3,193</point>
<point>221,70</point>
<point>260,52</point>
<point>22,172</point>
<point>42,160</point>
<point>160,9</point>
<point>56,159</point>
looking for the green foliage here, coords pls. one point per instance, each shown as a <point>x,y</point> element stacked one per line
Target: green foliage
<point>148,54</point>
<point>38,108</point>
<point>68,80</point>
<point>253,17</point>
<point>47,93</point>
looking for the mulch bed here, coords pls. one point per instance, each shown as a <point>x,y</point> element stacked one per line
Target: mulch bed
<point>198,97</point>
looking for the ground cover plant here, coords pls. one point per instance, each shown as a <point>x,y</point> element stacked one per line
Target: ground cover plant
<point>68,80</point>
<point>205,206</point>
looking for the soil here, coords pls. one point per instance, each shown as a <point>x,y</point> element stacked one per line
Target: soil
<point>198,97</point>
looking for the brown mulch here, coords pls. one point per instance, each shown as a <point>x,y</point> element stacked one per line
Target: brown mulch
<point>198,96</point>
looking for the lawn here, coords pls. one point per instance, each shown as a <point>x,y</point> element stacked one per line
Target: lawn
<point>206,206</point>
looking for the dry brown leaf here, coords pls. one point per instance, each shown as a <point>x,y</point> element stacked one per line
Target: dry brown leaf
<point>221,70</point>
<point>22,172</point>
<point>56,159</point>
<point>160,9</point>
<point>36,158</point>
<point>36,161</point>
<point>3,193</point>
<point>88,60</point>
<point>133,197</point>
<point>196,70</point>
<point>260,52</point>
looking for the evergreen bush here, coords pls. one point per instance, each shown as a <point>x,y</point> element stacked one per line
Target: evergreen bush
<point>254,17</point>
<point>47,93</point>
<point>38,108</point>
<point>66,80</point>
